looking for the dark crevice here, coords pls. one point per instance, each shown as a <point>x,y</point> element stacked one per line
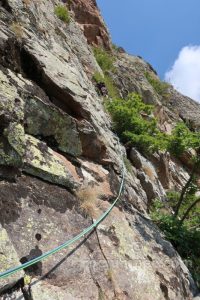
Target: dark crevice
<point>49,140</point>
<point>59,97</point>
<point>9,173</point>
<point>8,292</point>
<point>9,289</point>
<point>164,290</point>
<point>10,55</point>
<point>15,57</point>
<point>47,181</point>
<point>106,259</point>
<point>5,4</point>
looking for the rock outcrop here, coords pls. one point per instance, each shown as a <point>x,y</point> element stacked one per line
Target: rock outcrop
<point>56,139</point>
<point>87,15</point>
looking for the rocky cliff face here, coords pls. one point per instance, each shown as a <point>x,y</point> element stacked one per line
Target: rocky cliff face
<point>55,140</point>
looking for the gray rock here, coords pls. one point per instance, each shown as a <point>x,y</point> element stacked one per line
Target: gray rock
<point>53,125</point>
<point>147,176</point>
<point>8,260</point>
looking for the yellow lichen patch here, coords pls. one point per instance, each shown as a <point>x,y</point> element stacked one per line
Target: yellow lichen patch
<point>41,161</point>
<point>16,137</point>
<point>8,96</point>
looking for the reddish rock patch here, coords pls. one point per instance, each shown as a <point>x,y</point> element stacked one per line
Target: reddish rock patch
<point>88,15</point>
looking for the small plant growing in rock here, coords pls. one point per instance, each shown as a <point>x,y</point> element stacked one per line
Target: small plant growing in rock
<point>62,13</point>
<point>27,2</point>
<point>17,29</point>
<point>104,59</point>
<point>110,275</point>
<point>88,200</point>
<point>160,87</point>
<point>149,172</point>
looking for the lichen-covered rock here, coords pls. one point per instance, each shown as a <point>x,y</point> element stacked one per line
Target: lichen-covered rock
<point>134,79</point>
<point>41,161</point>
<point>11,105</point>
<point>8,259</point>
<point>58,128</point>
<point>16,137</point>
<point>125,258</point>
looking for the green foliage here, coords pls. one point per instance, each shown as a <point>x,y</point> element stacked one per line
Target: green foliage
<point>128,165</point>
<point>160,87</point>
<point>184,237</point>
<point>112,90</point>
<point>134,124</point>
<point>182,139</point>
<point>62,13</point>
<point>104,59</point>
<point>115,47</point>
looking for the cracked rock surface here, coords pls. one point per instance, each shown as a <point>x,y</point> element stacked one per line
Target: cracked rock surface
<point>55,141</point>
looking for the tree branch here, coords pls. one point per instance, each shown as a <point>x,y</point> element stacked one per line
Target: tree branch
<point>184,190</point>
<point>189,209</point>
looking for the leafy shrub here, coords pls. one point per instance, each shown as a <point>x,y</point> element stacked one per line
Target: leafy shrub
<point>160,87</point>
<point>104,59</point>
<point>134,124</point>
<point>62,13</point>
<point>112,90</point>
<point>182,139</point>
<point>184,237</point>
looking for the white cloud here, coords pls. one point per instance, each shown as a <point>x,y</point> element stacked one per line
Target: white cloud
<point>185,72</point>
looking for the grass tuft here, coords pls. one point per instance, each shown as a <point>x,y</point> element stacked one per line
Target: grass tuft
<point>88,200</point>
<point>62,13</point>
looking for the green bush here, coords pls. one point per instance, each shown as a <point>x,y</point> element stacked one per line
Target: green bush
<point>133,122</point>
<point>182,139</point>
<point>185,238</point>
<point>160,87</point>
<point>112,90</point>
<point>104,59</point>
<point>62,13</point>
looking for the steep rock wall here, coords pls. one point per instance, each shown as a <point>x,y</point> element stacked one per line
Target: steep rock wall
<point>55,137</point>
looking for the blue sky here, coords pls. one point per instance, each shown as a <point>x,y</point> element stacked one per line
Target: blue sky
<point>157,30</point>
